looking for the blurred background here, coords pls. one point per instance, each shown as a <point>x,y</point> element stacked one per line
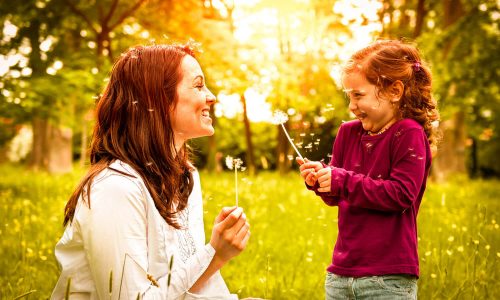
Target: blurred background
<point>258,56</point>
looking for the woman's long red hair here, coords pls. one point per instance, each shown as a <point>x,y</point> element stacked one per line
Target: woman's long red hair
<point>133,125</point>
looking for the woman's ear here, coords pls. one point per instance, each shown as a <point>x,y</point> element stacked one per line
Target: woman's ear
<point>396,90</point>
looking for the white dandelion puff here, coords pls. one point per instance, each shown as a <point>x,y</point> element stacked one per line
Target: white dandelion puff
<point>235,164</point>
<point>279,118</point>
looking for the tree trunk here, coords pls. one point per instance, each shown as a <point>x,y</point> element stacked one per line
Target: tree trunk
<point>60,158</point>
<point>85,134</point>
<point>421,12</point>
<point>451,153</point>
<point>248,136</point>
<point>213,157</point>
<point>282,151</point>
<point>39,160</point>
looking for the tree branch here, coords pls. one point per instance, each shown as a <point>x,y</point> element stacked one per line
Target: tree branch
<point>110,13</point>
<point>127,13</point>
<point>79,13</point>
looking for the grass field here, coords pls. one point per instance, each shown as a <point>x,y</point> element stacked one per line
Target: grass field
<point>293,234</point>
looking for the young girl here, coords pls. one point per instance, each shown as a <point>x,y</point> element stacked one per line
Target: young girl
<point>140,204</point>
<point>377,175</point>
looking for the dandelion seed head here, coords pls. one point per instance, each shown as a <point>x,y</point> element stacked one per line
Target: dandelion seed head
<point>279,117</point>
<point>234,163</point>
<point>229,162</point>
<point>460,249</point>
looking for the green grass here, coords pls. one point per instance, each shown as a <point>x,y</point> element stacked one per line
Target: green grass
<point>293,234</point>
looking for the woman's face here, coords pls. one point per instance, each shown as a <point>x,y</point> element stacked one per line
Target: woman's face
<point>191,117</point>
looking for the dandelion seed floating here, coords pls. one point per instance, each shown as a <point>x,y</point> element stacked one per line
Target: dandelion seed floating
<point>234,164</point>
<point>279,118</point>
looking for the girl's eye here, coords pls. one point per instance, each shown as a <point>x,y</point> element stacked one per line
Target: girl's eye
<point>200,86</point>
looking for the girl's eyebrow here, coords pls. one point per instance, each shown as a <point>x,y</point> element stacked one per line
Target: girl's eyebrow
<point>353,91</point>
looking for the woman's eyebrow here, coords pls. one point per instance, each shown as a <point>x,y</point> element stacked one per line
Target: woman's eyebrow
<point>198,76</point>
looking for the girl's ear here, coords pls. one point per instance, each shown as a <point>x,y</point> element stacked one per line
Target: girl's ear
<point>396,90</point>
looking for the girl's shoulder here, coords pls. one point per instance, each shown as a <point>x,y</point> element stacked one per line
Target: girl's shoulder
<point>351,125</point>
<point>405,125</point>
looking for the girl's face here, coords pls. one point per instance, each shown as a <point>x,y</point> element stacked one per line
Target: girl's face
<point>375,112</point>
<point>191,117</point>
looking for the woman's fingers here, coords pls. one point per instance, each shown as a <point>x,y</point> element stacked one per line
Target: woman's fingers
<point>242,236</point>
<point>231,218</point>
<point>224,213</point>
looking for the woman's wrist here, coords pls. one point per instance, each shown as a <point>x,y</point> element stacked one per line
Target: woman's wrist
<point>218,261</point>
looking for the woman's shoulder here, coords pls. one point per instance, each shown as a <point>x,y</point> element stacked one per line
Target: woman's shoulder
<point>119,177</point>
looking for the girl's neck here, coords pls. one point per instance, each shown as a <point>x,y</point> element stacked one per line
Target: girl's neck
<point>384,129</point>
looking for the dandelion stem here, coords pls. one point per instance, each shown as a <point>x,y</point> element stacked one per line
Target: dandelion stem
<point>290,140</point>
<point>236,184</point>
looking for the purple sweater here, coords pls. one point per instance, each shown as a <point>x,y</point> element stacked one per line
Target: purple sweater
<point>378,183</point>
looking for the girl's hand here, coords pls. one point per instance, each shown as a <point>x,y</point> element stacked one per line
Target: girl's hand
<point>230,234</point>
<point>324,177</point>
<point>308,170</point>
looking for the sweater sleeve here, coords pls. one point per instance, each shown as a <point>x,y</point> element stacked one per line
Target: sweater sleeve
<point>115,235</point>
<point>401,189</point>
<point>330,198</point>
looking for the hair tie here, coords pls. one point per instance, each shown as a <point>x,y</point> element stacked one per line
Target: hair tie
<point>416,66</point>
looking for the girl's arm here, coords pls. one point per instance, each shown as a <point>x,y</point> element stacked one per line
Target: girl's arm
<point>327,197</point>
<point>410,165</point>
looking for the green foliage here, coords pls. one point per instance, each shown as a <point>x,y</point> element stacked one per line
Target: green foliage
<point>293,234</point>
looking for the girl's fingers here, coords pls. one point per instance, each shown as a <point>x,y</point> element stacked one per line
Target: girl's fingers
<point>324,189</point>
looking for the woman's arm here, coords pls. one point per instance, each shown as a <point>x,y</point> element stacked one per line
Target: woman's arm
<point>115,235</point>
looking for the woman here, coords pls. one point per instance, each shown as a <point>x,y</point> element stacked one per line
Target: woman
<point>140,204</point>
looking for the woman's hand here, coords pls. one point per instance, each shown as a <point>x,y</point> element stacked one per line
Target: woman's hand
<point>308,170</point>
<point>230,234</point>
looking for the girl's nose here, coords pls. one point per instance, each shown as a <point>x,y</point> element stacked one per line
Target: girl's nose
<point>352,106</point>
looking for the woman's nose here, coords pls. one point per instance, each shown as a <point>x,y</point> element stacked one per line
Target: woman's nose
<point>211,99</point>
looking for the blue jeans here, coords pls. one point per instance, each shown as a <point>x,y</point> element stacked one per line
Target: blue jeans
<point>373,287</point>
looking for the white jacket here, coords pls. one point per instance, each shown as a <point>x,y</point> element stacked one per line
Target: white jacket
<point>123,232</point>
